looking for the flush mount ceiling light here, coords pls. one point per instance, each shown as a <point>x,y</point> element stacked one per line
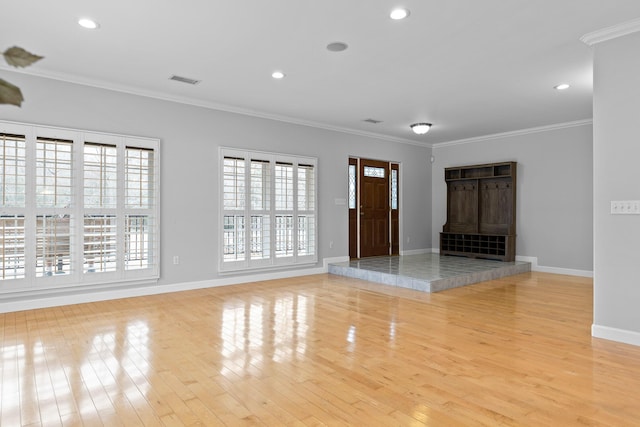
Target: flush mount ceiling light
<point>337,46</point>
<point>399,13</point>
<point>562,86</point>
<point>420,128</point>
<point>88,23</point>
<point>278,75</point>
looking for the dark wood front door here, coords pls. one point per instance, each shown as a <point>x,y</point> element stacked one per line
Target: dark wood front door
<point>374,208</point>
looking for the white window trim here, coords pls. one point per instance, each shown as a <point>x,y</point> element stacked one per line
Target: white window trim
<point>77,277</point>
<point>273,261</point>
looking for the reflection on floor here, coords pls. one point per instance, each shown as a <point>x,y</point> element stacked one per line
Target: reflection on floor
<point>427,272</point>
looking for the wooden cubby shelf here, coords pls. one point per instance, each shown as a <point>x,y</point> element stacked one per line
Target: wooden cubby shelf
<point>481,211</point>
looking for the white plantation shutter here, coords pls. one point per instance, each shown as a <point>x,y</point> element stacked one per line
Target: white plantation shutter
<point>234,183</point>
<point>54,173</point>
<point>12,205</point>
<point>100,243</point>
<point>233,202</point>
<point>284,209</point>
<point>306,210</point>
<point>99,228</point>
<point>76,208</point>
<point>139,176</point>
<point>141,246</point>
<point>260,202</point>
<point>53,244</point>
<point>54,199</point>
<point>284,186</point>
<point>100,176</point>
<point>14,170</point>
<point>268,210</point>
<point>12,246</point>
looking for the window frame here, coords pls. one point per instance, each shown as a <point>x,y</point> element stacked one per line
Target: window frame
<point>273,211</point>
<point>76,211</point>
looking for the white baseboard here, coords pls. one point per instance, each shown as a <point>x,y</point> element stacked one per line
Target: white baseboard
<point>532,259</point>
<point>417,251</point>
<point>615,334</point>
<point>79,296</point>
<point>327,261</point>
<point>30,302</point>
<point>555,270</point>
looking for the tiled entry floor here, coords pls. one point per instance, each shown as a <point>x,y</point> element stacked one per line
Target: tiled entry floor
<point>427,272</point>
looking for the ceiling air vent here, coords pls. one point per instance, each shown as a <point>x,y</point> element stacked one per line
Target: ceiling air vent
<point>184,80</point>
<point>374,121</point>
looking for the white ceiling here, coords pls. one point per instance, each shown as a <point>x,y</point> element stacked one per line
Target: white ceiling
<point>470,67</point>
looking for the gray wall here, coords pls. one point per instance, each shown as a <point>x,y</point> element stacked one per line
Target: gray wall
<point>554,194</point>
<point>616,176</point>
<point>190,137</point>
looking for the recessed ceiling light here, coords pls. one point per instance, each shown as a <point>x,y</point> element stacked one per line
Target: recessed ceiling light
<point>87,23</point>
<point>337,46</point>
<point>399,13</point>
<point>278,75</point>
<point>562,86</point>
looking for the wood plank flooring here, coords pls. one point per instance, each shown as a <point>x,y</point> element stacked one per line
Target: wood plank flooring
<point>321,350</point>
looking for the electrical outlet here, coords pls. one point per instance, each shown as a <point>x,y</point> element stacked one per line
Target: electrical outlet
<point>176,260</point>
<point>625,207</point>
<point>614,207</point>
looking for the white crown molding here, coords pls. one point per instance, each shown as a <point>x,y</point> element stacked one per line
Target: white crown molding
<point>209,105</point>
<point>613,32</point>
<point>514,133</point>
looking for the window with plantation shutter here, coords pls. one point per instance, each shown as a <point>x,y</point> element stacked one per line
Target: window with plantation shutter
<point>76,208</point>
<point>268,210</point>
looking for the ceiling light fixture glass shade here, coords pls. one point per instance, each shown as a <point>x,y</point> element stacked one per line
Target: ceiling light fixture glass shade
<point>420,128</point>
<point>562,86</point>
<point>278,75</point>
<point>399,13</point>
<point>87,23</point>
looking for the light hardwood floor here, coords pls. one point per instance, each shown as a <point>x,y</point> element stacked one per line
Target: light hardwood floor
<point>322,350</point>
